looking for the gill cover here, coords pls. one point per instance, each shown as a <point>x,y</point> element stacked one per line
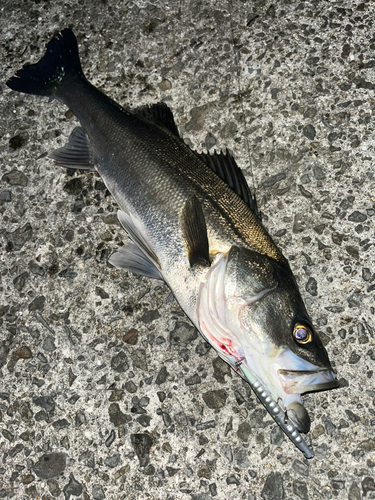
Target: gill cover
<point>249,308</point>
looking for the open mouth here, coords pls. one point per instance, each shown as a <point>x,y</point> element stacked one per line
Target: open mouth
<point>300,381</point>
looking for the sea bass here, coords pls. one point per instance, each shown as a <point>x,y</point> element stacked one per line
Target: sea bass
<point>195,225</point>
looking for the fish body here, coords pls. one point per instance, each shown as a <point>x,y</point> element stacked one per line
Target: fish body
<point>195,225</point>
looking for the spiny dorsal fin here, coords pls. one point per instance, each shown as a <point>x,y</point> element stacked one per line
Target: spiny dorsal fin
<point>194,230</point>
<point>225,166</point>
<point>160,114</point>
<point>76,153</point>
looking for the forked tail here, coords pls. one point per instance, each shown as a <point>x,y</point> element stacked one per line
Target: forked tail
<point>46,76</point>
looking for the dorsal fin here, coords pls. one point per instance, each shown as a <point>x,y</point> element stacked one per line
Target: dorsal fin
<point>160,114</point>
<point>225,166</point>
<point>194,230</point>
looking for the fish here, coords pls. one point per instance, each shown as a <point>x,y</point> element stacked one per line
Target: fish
<point>194,223</point>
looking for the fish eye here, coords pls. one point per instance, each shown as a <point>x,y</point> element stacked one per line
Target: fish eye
<point>302,334</point>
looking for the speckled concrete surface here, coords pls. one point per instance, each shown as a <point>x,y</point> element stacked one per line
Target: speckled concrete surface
<point>106,391</point>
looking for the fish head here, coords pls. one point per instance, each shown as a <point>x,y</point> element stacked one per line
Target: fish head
<point>257,316</point>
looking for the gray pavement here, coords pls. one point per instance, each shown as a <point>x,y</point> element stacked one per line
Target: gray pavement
<point>106,391</point>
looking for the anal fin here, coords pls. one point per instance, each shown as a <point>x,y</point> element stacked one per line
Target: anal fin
<point>76,153</point>
<point>194,230</point>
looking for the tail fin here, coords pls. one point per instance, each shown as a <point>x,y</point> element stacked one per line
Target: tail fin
<point>45,77</point>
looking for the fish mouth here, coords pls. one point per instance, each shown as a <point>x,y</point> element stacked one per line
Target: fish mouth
<point>301,381</point>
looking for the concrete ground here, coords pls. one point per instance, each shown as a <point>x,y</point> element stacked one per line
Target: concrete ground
<point>106,391</point>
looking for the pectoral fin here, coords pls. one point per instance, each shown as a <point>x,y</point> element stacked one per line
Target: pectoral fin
<point>194,230</point>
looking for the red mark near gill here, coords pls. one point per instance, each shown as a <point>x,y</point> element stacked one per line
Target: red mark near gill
<point>227,348</point>
<point>224,345</point>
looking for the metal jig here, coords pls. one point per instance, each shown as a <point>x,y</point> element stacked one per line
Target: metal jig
<point>276,411</point>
